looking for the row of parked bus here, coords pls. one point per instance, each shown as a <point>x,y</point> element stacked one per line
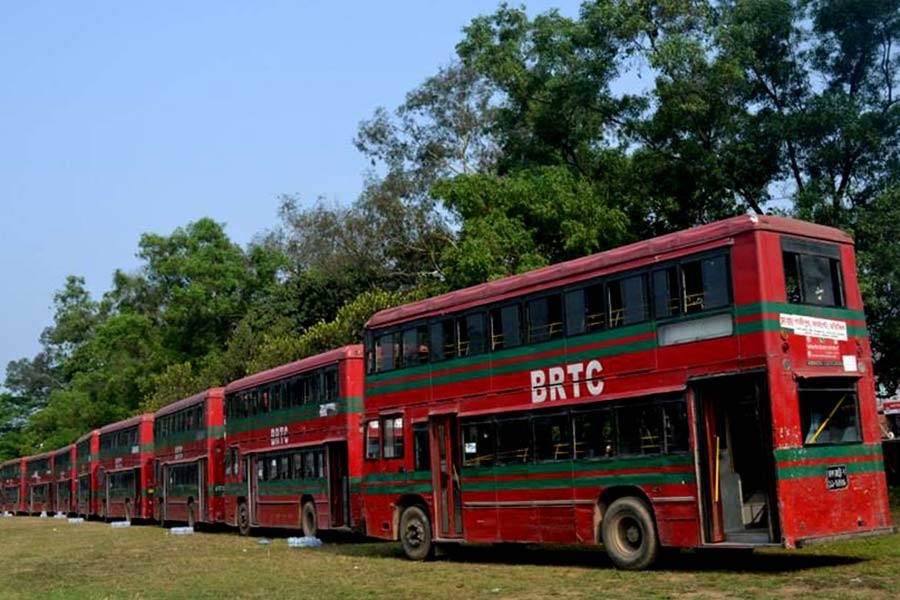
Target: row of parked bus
<point>709,388</point>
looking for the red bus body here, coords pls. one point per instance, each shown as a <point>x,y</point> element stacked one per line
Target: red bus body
<point>125,470</point>
<point>292,436</point>
<point>189,440</point>
<point>707,374</point>
<point>12,486</point>
<point>87,463</point>
<point>39,483</point>
<point>64,480</point>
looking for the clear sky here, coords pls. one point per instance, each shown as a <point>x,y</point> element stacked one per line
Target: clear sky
<point>118,118</point>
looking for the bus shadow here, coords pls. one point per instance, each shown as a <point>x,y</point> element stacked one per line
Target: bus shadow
<point>592,558</point>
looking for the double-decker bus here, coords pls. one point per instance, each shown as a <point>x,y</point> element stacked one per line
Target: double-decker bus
<point>125,470</point>
<point>87,462</point>
<point>64,480</point>
<point>39,483</point>
<point>189,441</point>
<point>12,486</point>
<point>707,388</point>
<point>293,456</point>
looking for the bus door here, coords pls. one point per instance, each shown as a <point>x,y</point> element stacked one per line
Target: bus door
<point>445,462</point>
<point>200,502</point>
<point>250,465</point>
<point>736,466</point>
<point>338,484</point>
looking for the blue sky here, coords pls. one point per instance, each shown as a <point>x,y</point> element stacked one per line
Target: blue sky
<point>119,118</point>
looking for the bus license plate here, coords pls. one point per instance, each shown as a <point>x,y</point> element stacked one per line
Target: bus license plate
<point>836,478</point>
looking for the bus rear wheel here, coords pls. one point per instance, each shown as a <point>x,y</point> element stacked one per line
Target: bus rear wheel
<point>243,519</point>
<point>629,534</point>
<point>415,534</point>
<point>309,520</point>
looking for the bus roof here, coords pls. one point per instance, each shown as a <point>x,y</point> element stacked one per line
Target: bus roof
<point>562,273</point>
<point>299,366</point>
<point>87,435</point>
<point>190,401</point>
<point>41,456</point>
<point>135,420</point>
<point>64,449</point>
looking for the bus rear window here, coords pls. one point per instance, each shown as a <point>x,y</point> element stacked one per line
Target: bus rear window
<point>812,273</point>
<point>828,413</point>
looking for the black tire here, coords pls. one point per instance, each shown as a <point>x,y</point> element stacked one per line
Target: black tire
<point>629,534</point>
<point>309,519</point>
<point>191,518</point>
<point>243,519</point>
<point>415,534</point>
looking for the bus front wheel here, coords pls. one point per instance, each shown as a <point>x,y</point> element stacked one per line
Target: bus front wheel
<point>243,519</point>
<point>415,534</point>
<point>309,520</point>
<point>629,534</point>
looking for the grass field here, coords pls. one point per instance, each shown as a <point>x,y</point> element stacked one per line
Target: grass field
<point>49,558</point>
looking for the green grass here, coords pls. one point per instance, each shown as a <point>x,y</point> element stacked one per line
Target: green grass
<point>49,558</point>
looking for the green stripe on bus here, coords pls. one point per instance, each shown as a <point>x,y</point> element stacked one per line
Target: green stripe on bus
<point>772,324</point>
<point>399,477</point>
<point>824,312</point>
<point>295,413</point>
<point>293,486</point>
<point>805,471</point>
<point>825,452</point>
<point>605,464</point>
<point>606,480</point>
<point>416,488</point>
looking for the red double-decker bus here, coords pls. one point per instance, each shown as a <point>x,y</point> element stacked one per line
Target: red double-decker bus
<point>63,491</point>
<point>12,486</point>
<point>39,483</point>
<point>125,470</point>
<point>708,388</point>
<point>189,440</point>
<point>87,462</point>
<point>293,455</point>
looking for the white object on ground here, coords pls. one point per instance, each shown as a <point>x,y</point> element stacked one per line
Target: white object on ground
<point>76,521</point>
<point>182,530</point>
<point>304,542</point>
<point>120,524</point>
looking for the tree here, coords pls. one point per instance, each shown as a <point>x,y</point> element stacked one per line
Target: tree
<point>527,220</point>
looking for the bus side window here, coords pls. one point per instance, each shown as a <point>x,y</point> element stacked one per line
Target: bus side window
<point>385,347</point>
<point>506,326</point>
<point>552,437</point>
<point>640,429</point>
<point>594,434</point>
<point>421,447</point>
<point>513,441</point>
<point>471,334</point>
<point>545,318</point>
<point>373,440</point>
<point>392,428</point>
<point>415,346</point>
<point>627,301</point>
<point>675,426</point>
<point>478,444</point>
<point>705,284</point>
<point>666,297</point>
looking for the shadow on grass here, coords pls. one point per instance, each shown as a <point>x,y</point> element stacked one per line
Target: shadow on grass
<point>592,558</point>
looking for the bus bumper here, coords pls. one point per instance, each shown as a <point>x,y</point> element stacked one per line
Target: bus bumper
<point>824,539</point>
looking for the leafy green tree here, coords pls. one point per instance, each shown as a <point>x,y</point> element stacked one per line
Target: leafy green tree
<point>527,220</point>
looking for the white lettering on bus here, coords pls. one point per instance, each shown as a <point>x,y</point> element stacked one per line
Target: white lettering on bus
<point>278,435</point>
<point>550,384</point>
